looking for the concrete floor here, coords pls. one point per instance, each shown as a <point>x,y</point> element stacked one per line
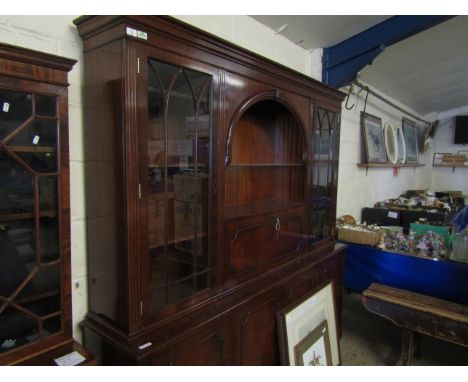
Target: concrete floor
<point>369,339</point>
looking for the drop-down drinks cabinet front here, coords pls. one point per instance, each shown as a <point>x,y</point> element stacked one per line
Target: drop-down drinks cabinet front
<point>211,192</point>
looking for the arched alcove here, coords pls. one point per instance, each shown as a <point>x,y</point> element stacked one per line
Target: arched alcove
<point>267,152</point>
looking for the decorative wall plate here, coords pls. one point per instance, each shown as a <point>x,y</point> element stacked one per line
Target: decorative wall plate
<point>401,144</point>
<point>391,145</point>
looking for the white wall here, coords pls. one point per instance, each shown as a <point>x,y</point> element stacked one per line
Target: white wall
<point>444,178</point>
<point>57,35</point>
<point>356,188</point>
<point>250,34</point>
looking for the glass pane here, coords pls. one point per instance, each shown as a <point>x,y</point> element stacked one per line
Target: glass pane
<point>48,193</point>
<point>46,105</point>
<point>51,326</point>
<point>17,254</point>
<point>16,188</point>
<point>178,173</point>
<point>40,133</point>
<point>42,305</point>
<point>44,284</point>
<point>36,145</point>
<point>324,174</point>
<point>186,288</point>
<point>15,108</point>
<point>40,162</point>
<point>16,329</point>
<point>49,239</point>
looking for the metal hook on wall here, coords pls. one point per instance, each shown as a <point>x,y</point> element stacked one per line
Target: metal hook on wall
<point>350,91</point>
<point>367,95</point>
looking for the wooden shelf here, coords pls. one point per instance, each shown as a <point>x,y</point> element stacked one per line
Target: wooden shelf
<point>390,165</point>
<point>258,208</point>
<point>266,164</point>
<point>450,165</point>
<point>32,149</point>
<point>27,215</point>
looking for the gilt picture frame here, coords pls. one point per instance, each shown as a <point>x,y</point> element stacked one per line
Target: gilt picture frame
<point>307,330</point>
<point>373,138</point>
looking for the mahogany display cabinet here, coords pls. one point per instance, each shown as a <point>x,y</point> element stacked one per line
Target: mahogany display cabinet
<point>211,194</point>
<point>35,271</point>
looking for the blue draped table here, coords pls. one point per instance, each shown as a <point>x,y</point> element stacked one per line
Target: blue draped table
<point>443,279</point>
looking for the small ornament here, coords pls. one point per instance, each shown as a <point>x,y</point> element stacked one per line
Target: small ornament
<point>8,344</point>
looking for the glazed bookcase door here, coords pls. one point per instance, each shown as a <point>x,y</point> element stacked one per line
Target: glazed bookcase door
<point>30,255</point>
<point>178,173</point>
<point>325,142</point>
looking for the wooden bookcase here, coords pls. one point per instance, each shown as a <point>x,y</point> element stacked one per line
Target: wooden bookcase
<point>211,194</point>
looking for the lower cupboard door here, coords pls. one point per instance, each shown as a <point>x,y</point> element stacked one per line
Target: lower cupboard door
<point>207,347</point>
<point>258,335</point>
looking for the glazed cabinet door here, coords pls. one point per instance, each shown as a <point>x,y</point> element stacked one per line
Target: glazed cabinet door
<point>175,173</point>
<point>322,203</point>
<point>32,258</point>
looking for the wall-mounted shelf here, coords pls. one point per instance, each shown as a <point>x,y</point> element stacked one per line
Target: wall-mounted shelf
<point>389,165</point>
<point>450,165</point>
<point>367,165</point>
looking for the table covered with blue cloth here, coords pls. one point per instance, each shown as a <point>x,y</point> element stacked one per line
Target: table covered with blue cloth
<point>443,279</point>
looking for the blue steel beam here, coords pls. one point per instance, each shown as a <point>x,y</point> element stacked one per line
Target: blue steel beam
<point>342,62</point>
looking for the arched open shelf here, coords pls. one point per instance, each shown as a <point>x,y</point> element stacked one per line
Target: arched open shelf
<point>266,158</point>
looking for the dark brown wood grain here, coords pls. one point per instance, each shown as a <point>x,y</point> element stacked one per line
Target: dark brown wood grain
<point>257,195</point>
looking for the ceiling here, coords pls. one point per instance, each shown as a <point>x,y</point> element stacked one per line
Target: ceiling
<point>428,72</point>
<point>311,32</point>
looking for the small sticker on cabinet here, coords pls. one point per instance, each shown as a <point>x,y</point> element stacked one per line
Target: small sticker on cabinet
<point>36,139</point>
<point>132,32</point>
<point>142,35</point>
<point>393,215</point>
<point>6,107</point>
<point>144,346</point>
<point>8,343</point>
<point>136,33</point>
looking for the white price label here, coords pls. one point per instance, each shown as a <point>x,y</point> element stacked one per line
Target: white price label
<point>393,215</point>
<point>136,33</point>
<point>132,32</point>
<point>6,107</point>
<point>36,139</point>
<point>72,359</point>
<point>144,346</point>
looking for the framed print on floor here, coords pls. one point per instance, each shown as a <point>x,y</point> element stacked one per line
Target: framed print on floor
<point>314,349</point>
<point>307,330</point>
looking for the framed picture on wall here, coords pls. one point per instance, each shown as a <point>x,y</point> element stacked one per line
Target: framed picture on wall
<point>307,330</point>
<point>373,138</point>
<point>411,140</point>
